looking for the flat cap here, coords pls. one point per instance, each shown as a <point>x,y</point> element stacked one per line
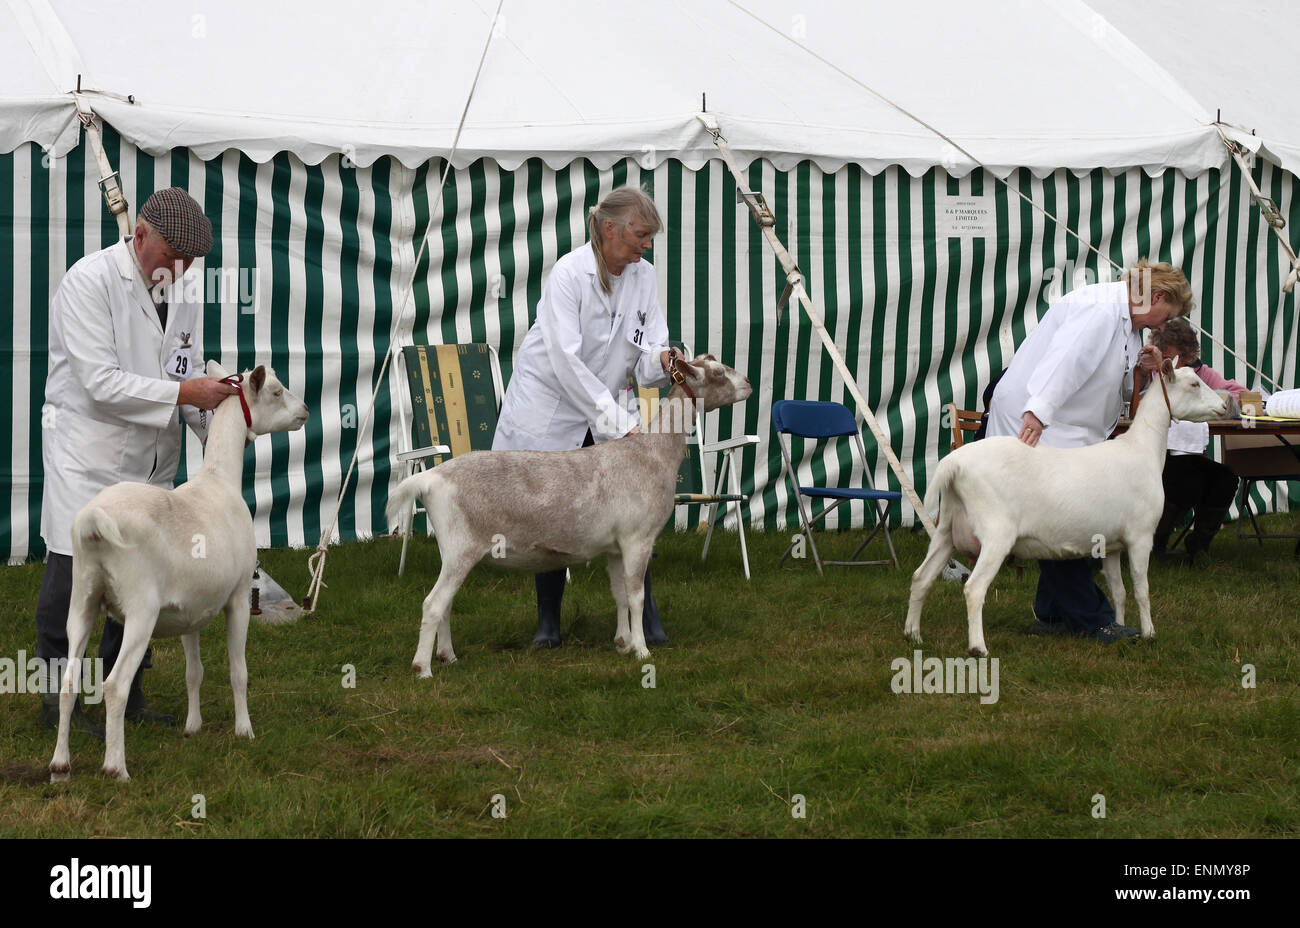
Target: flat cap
<point>179,220</point>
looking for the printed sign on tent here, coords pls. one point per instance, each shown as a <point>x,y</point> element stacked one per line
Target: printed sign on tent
<point>966,216</point>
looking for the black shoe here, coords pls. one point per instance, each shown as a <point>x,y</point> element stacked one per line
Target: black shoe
<point>1198,551</point>
<point>137,707</point>
<point>79,721</point>
<point>1109,634</point>
<point>550,596</point>
<point>1049,628</point>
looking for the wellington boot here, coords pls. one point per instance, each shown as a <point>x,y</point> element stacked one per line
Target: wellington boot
<point>137,707</point>
<point>79,721</point>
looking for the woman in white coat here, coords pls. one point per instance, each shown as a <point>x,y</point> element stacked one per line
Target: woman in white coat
<point>1066,387</point>
<point>598,324</point>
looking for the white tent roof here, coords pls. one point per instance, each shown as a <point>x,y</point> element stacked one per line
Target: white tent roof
<point>1018,83</point>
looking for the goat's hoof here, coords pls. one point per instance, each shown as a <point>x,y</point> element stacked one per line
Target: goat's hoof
<point>447,657</point>
<point>244,732</point>
<point>421,671</point>
<point>114,774</point>
<point>914,637</point>
<point>642,654</point>
<point>59,773</point>
<point>979,651</point>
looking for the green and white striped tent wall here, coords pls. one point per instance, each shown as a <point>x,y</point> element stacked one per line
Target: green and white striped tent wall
<point>921,319</point>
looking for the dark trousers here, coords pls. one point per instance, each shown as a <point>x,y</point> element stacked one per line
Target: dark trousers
<point>550,590</point>
<point>1067,593</point>
<point>52,617</point>
<point>1195,481</point>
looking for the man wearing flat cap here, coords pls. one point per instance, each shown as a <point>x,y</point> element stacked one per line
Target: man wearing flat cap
<point>124,369</point>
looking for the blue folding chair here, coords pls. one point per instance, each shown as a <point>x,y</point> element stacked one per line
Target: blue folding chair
<point>824,421</point>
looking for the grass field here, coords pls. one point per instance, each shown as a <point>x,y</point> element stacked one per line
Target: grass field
<point>770,690</point>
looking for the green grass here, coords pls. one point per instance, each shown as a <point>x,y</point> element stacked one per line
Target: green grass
<point>771,688</point>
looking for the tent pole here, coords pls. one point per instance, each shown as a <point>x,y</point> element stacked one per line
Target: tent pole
<point>794,287</point>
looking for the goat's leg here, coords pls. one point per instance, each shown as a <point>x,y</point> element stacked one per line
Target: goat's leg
<point>237,609</point>
<point>1139,555</point>
<point>634,565</point>
<point>1110,569</point>
<point>992,553</point>
<point>84,604</point>
<point>435,626</point>
<point>139,621</point>
<point>193,678</point>
<point>618,586</point>
<point>941,548</point>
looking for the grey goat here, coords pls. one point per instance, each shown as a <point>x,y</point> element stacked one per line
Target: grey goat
<point>542,510</point>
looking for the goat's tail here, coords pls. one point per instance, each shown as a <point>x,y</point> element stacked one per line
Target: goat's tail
<point>94,524</point>
<point>400,509</point>
<point>939,484</point>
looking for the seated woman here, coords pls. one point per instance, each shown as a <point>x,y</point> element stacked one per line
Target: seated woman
<point>1192,480</point>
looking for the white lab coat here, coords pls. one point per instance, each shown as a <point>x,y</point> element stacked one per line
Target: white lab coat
<point>1074,372</point>
<point>571,372</point>
<point>110,411</point>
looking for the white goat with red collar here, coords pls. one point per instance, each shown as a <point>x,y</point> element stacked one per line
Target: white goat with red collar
<point>165,562</point>
<point>1000,497</point>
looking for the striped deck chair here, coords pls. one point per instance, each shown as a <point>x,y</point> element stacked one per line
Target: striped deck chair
<point>455,394</point>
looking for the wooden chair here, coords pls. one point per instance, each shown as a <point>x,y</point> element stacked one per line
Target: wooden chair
<point>963,421</point>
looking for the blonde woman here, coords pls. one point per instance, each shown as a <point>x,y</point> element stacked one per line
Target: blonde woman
<point>598,324</point>
<point>1066,387</point>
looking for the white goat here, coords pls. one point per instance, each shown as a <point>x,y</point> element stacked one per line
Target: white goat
<point>542,510</point>
<point>167,561</point>
<point>1002,497</point>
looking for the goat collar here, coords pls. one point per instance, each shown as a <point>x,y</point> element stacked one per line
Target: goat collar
<point>235,380</point>
<point>679,378</point>
<point>1160,375</point>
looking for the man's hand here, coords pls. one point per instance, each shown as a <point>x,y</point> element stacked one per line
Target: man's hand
<point>1031,430</point>
<point>204,392</point>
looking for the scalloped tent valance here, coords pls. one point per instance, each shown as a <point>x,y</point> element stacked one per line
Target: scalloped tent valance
<point>1018,84</point>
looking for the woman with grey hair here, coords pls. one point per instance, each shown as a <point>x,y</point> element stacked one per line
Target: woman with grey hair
<point>598,325</point>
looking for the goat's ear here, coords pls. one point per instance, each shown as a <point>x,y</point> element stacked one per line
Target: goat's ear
<point>1167,369</point>
<point>706,357</point>
<point>216,370</point>
<point>257,378</point>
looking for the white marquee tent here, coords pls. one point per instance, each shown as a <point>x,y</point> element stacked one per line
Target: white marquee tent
<point>316,138</point>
